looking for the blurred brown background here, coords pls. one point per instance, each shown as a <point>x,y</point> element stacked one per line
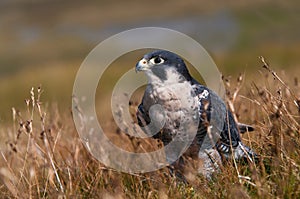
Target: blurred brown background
<point>43,42</point>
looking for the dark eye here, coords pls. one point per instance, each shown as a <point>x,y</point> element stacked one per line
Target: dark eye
<point>157,60</point>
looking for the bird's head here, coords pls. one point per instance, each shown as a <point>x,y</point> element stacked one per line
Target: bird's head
<point>162,65</point>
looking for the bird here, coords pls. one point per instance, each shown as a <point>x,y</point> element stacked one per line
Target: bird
<point>169,81</point>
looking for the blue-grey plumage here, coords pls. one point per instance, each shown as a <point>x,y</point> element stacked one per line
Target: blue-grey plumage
<point>164,68</point>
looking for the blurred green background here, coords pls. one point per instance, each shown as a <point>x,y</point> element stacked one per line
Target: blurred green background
<point>43,42</point>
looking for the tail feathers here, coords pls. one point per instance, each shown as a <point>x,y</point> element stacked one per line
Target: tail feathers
<point>240,152</point>
<point>247,152</point>
<point>245,128</point>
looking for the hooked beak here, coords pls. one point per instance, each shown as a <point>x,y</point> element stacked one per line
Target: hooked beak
<point>142,65</point>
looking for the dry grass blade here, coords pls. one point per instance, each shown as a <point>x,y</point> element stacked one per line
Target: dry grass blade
<point>10,181</point>
<point>266,66</point>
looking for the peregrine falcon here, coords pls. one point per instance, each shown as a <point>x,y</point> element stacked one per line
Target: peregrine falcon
<point>168,78</point>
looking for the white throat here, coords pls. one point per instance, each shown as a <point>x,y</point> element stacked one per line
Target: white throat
<point>164,77</point>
